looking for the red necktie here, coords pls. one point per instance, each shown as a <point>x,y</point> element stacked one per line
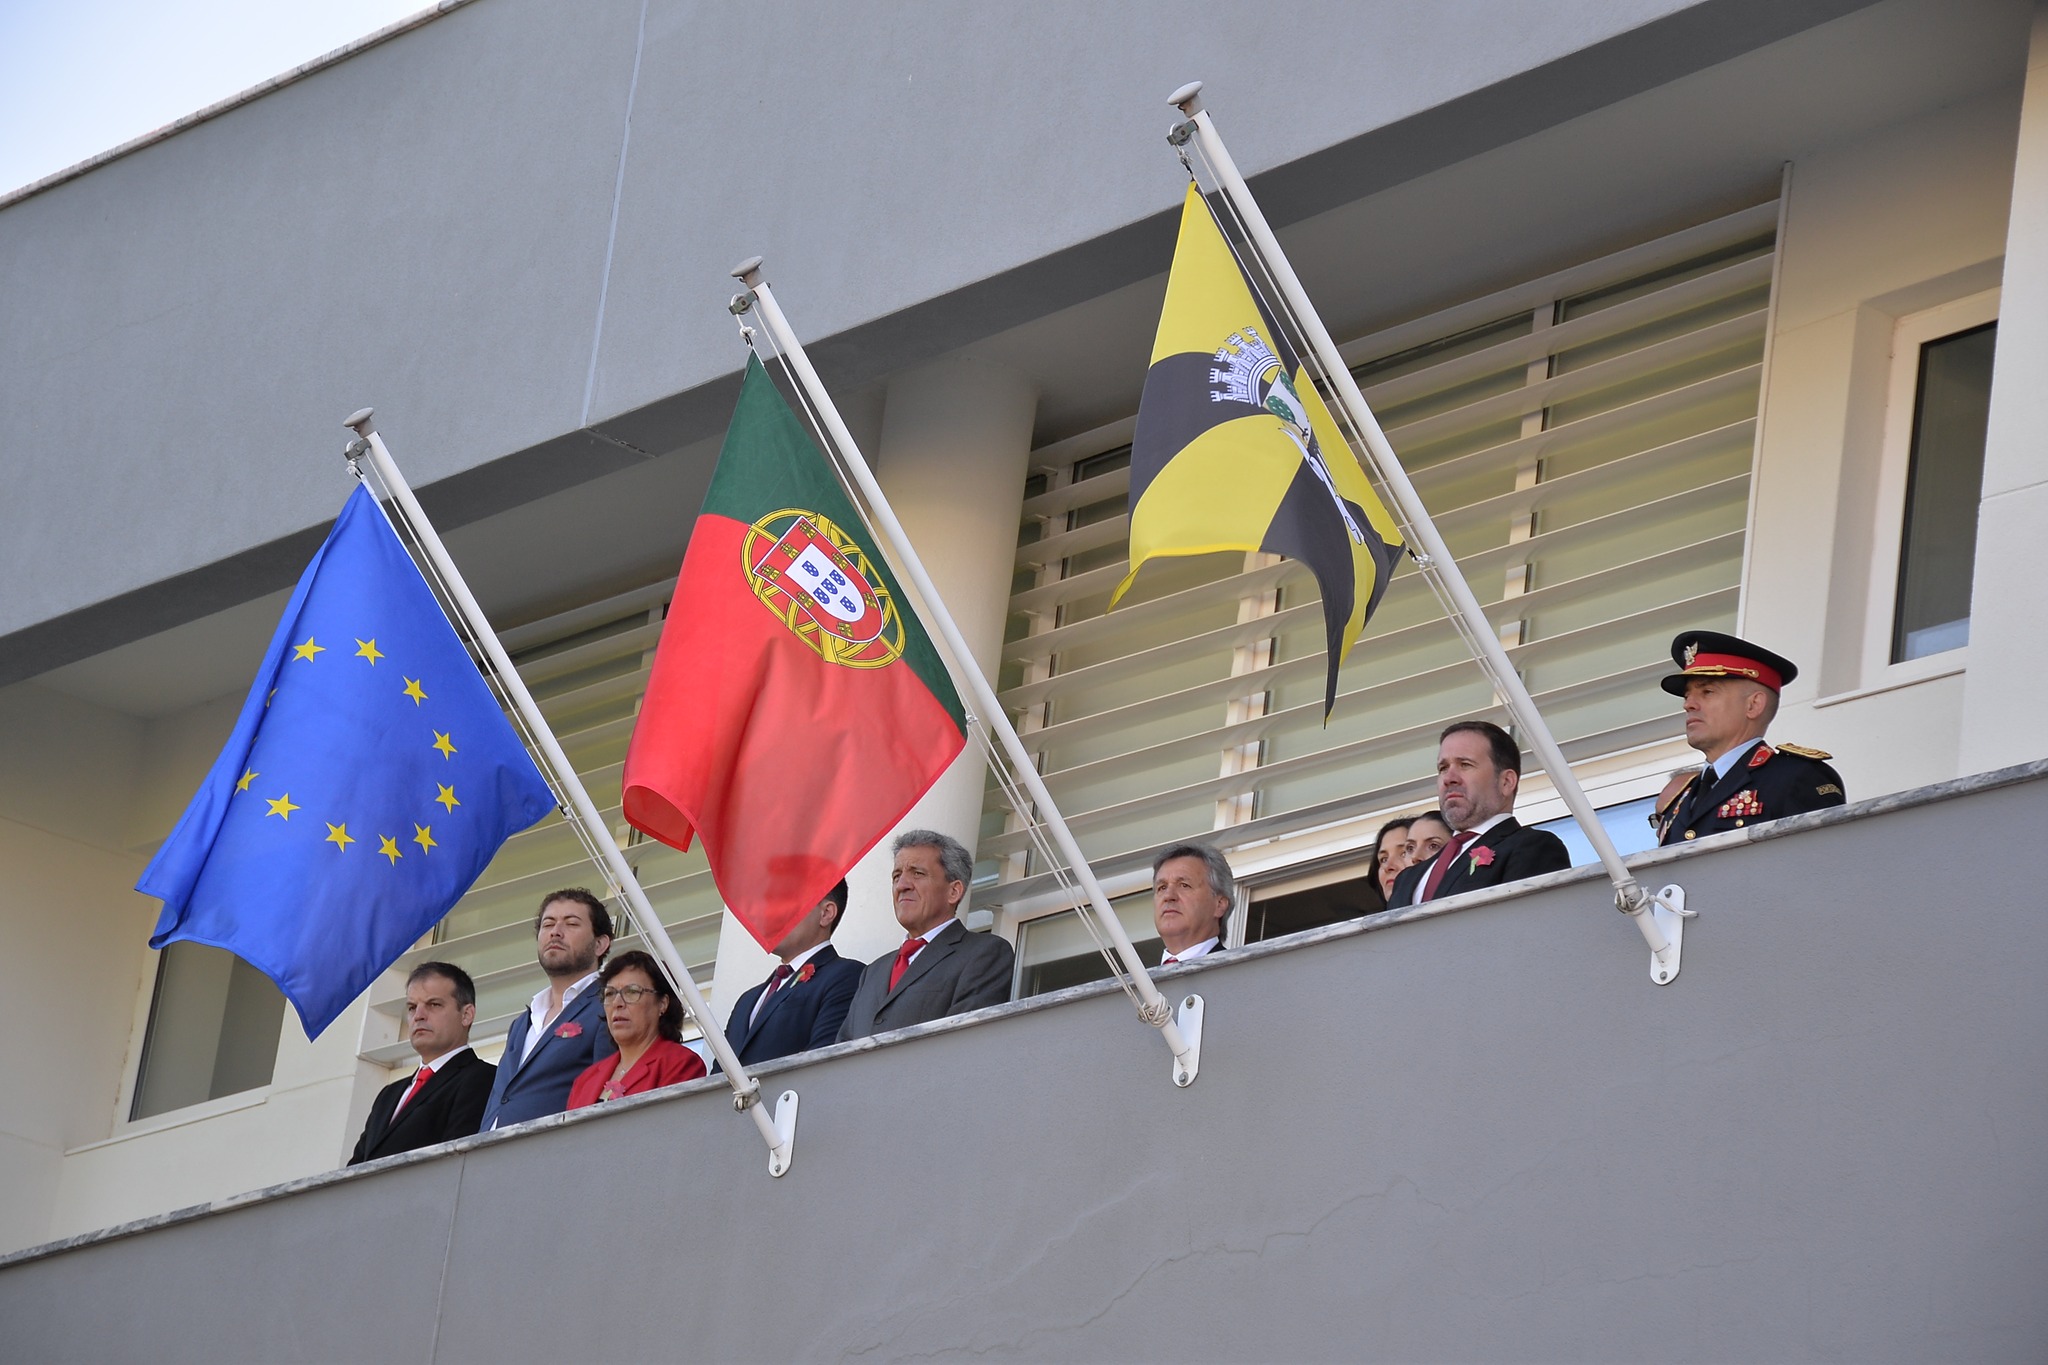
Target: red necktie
<point>1443,865</point>
<point>903,956</point>
<point>1168,960</point>
<point>419,1082</point>
<point>781,975</point>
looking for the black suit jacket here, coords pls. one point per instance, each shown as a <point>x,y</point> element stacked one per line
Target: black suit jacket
<point>954,973</point>
<point>1768,784</point>
<point>450,1105</point>
<point>1518,852</point>
<point>800,1016</point>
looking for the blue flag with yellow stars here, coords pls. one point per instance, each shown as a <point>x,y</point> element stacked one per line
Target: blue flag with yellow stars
<point>369,779</point>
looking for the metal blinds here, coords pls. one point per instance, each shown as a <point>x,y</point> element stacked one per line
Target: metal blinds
<point>1584,443</point>
<point>588,669</point>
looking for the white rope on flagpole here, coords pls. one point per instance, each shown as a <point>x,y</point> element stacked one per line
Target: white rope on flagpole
<point>1154,1009</point>
<point>1435,561</point>
<point>777,1130</point>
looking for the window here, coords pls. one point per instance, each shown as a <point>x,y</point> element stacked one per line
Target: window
<point>1944,480</point>
<point>1930,479</point>
<point>213,1028</point>
<point>1583,441</point>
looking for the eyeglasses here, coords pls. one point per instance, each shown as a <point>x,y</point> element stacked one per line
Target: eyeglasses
<point>632,995</point>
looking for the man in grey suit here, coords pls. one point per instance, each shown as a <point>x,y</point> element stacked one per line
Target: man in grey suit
<point>941,968</point>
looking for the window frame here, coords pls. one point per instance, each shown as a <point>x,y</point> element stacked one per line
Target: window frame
<point>1910,333</point>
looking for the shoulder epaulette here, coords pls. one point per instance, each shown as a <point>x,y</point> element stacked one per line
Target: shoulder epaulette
<point>1817,755</point>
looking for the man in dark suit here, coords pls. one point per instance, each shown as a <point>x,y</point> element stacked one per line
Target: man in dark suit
<point>562,1031</point>
<point>803,1003</point>
<point>1730,688</point>
<point>941,968</point>
<point>1192,892</point>
<point>1478,770</point>
<point>445,1098</point>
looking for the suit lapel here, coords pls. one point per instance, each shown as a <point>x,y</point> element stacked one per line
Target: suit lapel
<point>574,1012</point>
<point>816,963</point>
<point>1722,791</point>
<point>434,1084</point>
<point>1460,872</point>
<point>930,956</point>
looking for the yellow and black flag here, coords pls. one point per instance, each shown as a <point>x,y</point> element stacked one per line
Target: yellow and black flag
<point>1230,448</point>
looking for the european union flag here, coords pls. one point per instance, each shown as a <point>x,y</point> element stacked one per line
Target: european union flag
<point>370,778</point>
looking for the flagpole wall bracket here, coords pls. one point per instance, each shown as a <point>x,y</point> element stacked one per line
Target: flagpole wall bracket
<point>1667,911</point>
<point>1189,1016</point>
<point>785,1134</point>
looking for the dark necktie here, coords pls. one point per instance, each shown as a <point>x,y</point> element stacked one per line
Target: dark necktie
<point>781,974</point>
<point>1696,805</point>
<point>903,956</point>
<point>1443,865</point>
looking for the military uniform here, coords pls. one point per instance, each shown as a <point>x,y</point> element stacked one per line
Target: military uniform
<point>1773,781</point>
<point>1770,781</point>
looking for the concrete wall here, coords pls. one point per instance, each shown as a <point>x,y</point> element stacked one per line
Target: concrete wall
<point>1481,1135</point>
<point>509,227</point>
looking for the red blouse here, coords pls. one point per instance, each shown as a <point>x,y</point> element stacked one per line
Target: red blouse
<point>663,1064</point>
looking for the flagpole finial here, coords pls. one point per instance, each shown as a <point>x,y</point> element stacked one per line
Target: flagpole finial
<point>359,422</point>
<point>1187,99</point>
<point>748,272</point>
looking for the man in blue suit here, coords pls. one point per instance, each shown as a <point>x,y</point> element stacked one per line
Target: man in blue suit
<point>803,1003</point>
<point>562,1031</point>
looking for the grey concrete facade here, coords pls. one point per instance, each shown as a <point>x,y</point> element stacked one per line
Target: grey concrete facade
<point>1478,1133</point>
<point>508,227</point>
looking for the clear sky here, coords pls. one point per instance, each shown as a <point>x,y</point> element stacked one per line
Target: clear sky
<point>80,76</point>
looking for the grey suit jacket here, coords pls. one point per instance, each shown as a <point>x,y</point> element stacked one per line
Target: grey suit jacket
<point>956,972</point>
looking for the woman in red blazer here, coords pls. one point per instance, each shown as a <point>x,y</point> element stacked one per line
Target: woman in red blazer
<point>646,1021</point>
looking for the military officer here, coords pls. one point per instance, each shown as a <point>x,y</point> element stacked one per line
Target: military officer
<point>1731,689</point>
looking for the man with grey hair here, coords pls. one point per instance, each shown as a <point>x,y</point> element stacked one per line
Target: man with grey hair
<point>1191,898</point>
<point>941,969</point>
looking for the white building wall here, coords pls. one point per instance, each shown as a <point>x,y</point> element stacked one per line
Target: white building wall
<point>2002,721</point>
<point>87,792</point>
<point>1878,228</point>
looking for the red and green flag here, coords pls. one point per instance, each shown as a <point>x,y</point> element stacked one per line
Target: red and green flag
<point>797,709</point>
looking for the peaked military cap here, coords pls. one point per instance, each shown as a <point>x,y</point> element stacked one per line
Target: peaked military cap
<point>1710,654</point>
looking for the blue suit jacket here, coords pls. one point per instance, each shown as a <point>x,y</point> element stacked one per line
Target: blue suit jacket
<point>800,1016</point>
<point>540,1084</point>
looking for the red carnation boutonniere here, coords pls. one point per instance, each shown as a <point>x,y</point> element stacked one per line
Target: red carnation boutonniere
<point>1481,857</point>
<point>810,970</point>
<point>572,1029</point>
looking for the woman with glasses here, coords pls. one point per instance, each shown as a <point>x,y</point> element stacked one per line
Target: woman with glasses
<point>646,1021</point>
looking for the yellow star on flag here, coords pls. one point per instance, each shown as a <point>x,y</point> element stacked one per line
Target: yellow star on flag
<point>308,650</point>
<point>412,689</point>
<point>447,797</point>
<point>338,835</point>
<point>248,775</point>
<point>388,846</point>
<point>367,649</point>
<point>444,744</point>
<point>423,835</point>
<point>282,807</point>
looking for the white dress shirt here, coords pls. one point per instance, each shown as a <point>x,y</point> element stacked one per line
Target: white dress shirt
<point>1202,949</point>
<point>538,1018</point>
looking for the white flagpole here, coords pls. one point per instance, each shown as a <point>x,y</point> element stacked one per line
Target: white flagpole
<point>779,1130</point>
<point>1182,1034</point>
<point>1661,924</point>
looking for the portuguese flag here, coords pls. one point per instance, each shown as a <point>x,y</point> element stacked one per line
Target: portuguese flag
<point>797,709</point>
